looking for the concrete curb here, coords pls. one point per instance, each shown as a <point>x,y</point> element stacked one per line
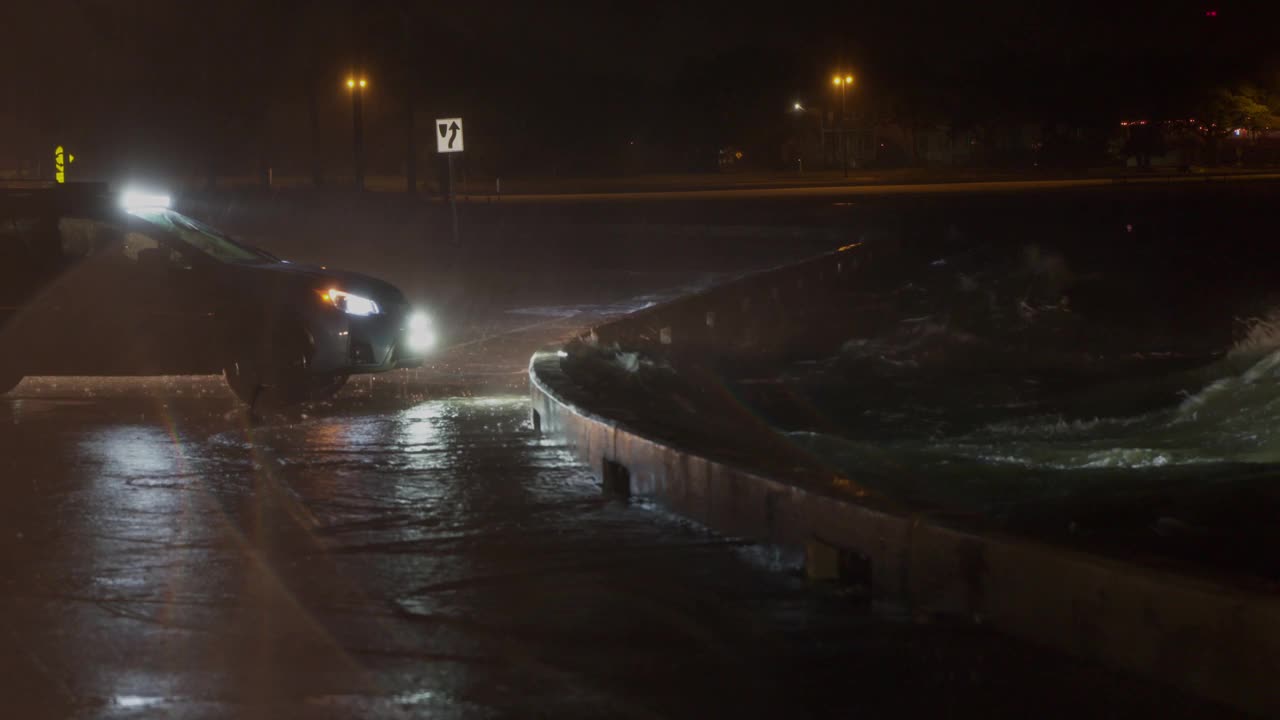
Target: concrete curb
<point>1214,640</point>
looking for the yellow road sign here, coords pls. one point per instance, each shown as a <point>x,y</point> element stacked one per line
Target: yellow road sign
<point>61,159</point>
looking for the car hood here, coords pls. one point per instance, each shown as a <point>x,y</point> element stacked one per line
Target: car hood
<point>323,277</point>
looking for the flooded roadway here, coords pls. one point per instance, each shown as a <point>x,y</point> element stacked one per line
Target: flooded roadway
<point>401,555</point>
<point>414,549</point>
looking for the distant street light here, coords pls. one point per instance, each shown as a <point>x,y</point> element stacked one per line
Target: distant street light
<point>822,128</point>
<point>357,86</point>
<point>843,82</point>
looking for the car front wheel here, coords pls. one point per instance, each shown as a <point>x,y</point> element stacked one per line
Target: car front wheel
<point>282,387</point>
<point>274,372</point>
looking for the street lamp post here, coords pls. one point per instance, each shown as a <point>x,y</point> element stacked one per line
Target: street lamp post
<point>843,82</point>
<point>356,86</point>
<point>822,129</point>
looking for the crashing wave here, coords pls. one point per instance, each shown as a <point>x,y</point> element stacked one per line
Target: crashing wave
<point>1261,334</point>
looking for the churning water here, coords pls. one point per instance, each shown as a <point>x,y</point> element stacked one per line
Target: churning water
<point>995,385</point>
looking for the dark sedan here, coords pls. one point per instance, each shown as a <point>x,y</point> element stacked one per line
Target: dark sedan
<point>95,283</point>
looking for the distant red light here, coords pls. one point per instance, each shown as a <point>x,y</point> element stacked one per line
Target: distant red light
<point>1211,13</point>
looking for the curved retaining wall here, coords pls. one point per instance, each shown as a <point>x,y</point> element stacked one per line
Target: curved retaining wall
<point>1217,641</point>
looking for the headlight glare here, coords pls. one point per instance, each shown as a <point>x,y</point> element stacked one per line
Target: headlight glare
<point>349,303</point>
<point>422,336</point>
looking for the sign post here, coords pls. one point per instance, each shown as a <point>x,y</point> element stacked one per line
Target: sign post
<point>448,142</point>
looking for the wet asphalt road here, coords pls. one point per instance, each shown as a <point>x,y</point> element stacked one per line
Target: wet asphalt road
<point>397,555</point>
<point>413,549</point>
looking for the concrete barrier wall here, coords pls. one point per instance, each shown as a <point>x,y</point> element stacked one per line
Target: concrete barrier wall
<point>747,315</point>
<point>1217,641</point>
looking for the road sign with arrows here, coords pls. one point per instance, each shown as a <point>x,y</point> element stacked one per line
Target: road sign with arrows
<point>449,135</point>
<point>61,161</point>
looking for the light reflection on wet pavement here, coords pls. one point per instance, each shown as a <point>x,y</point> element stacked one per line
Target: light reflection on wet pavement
<point>394,555</point>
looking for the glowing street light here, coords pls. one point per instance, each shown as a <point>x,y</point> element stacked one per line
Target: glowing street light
<point>357,86</point>
<point>822,129</point>
<point>843,82</point>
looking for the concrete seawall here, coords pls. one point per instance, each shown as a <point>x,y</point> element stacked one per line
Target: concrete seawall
<point>1200,633</point>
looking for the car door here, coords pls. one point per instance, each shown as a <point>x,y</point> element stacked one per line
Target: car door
<point>175,303</point>
<point>132,305</point>
<point>93,331</point>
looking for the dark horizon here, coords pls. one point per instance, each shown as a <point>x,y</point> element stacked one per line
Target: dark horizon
<point>570,86</point>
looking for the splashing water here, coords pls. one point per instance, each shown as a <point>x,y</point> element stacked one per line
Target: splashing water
<point>1220,417</point>
<point>1261,335</point>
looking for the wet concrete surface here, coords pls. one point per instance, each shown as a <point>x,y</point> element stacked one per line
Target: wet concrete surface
<point>407,555</point>
<point>414,549</point>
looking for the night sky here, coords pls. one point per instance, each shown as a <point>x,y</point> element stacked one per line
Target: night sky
<point>184,78</point>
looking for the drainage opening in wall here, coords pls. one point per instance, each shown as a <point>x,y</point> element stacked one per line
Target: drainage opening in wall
<point>615,479</point>
<point>827,562</point>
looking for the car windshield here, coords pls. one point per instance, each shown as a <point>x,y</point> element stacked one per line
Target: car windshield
<point>203,238</point>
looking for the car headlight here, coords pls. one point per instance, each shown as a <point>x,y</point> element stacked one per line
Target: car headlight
<point>349,303</point>
<point>422,336</point>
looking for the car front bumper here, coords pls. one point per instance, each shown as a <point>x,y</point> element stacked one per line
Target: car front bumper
<point>351,344</point>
